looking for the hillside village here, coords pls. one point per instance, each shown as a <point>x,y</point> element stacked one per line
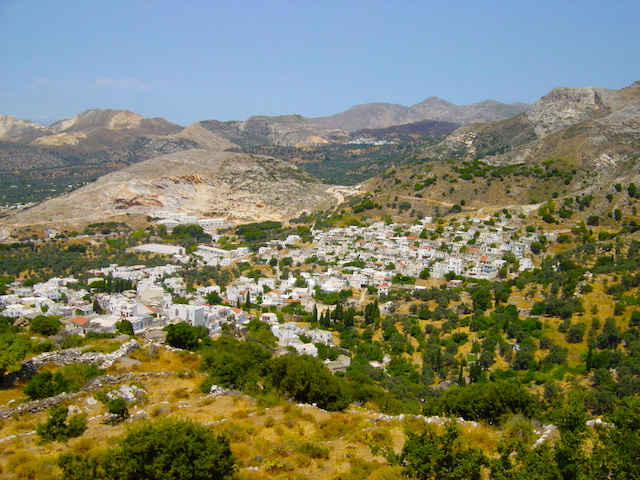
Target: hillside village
<point>367,261</point>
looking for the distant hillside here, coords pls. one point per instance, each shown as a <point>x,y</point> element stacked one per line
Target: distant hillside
<point>18,156</point>
<point>38,162</point>
<point>206,183</point>
<point>115,120</point>
<point>382,115</point>
<point>106,128</point>
<point>83,139</point>
<point>408,132</point>
<point>578,148</point>
<point>284,131</point>
<point>363,155</point>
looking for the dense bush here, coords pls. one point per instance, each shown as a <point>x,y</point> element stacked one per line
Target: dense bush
<point>307,380</point>
<point>576,332</point>
<point>13,348</point>
<point>428,455</point>
<point>56,428</point>
<point>125,327</point>
<point>69,378</point>
<point>117,409</point>
<point>45,326</point>
<point>485,401</point>
<point>168,449</point>
<point>182,335</point>
<point>234,364</point>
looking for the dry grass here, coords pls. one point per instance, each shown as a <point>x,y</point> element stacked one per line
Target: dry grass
<point>483,437</point>
<point>25,465</point>
<point>165,361</point>
<point>11,394</point>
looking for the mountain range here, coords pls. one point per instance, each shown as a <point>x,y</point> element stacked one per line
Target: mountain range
<point>382,115</point>
<point>590,134</point>
<point>114,128</point>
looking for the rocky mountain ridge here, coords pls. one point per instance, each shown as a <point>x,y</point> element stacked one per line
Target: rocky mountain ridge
<point>592,134</point>
<point>115,120</point>
<point>590,127</point>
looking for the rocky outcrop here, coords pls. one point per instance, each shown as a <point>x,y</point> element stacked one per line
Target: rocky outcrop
<point>564,107</point>
<point>94,385</point>
<point>122,120</point>
<point>207,139</point>
<point>75,355</point>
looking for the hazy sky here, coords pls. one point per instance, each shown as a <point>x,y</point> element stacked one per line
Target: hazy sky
<point>188,60</point>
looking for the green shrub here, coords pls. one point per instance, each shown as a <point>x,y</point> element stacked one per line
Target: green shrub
<point>69,378</point>
<point>183,335</point>
<point>167,449</point>
<point>56,429</point>
<point>45,326</point>
<point>314,450</point>
<point>307,380</point>
<point>170,449</point>
<point>428,455</point>
<point>117,408</point>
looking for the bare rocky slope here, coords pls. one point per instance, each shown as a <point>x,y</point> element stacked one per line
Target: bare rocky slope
<point>382,115</point>
<point>16,130</point>
<point>116,138</point>
<point>202,182</point>
<point>593,128</point>
<point>100,126</point>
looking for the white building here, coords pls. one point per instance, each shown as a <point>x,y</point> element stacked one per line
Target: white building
<point>192,314</point>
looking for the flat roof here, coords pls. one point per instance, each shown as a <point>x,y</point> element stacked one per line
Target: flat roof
<point>159,248</point>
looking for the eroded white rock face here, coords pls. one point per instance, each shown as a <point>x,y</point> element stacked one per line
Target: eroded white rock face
<point>131,393</point>
<point>60,139</point>
<point>111,119</point>
<point>12,128</point>
<point>565,106</point>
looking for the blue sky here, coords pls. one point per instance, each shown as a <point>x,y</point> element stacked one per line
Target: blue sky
<point>187,60</point>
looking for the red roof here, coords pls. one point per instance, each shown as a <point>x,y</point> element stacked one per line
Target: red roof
<point>80,321</point>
